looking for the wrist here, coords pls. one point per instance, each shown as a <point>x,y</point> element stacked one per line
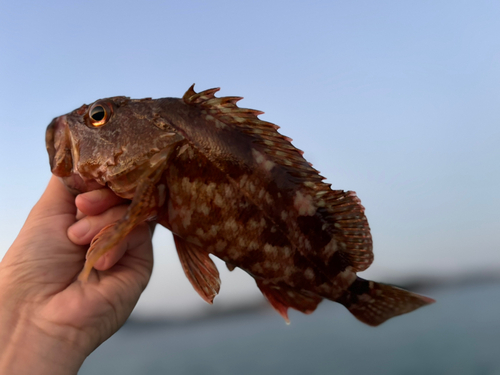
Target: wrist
<point>25,348</point>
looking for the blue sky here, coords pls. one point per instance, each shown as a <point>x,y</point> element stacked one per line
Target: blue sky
<point>398,101</point>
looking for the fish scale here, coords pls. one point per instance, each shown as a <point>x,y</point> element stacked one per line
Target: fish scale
<point>229,184</point>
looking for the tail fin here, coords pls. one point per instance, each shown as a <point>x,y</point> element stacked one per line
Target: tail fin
<point>374,303</point>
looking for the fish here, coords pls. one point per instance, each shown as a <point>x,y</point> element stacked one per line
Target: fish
<point>226,184</point>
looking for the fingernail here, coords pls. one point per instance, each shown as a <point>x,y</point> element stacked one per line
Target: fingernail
<point>80,228</point>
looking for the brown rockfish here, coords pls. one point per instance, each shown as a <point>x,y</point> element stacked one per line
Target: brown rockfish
<point>228,184</point>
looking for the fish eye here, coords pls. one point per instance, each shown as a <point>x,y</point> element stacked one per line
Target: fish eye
<point>99,115</point>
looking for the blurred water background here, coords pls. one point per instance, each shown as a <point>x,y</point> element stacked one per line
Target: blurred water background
<point>458,335</point>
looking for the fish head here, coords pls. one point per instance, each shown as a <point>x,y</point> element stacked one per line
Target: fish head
<point>108,142</point>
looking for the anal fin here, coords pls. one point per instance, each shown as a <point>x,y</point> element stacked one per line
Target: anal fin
<point>199,269</point>
<point>283,297</point>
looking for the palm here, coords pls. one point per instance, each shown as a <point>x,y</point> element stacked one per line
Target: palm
<point>45,268</point>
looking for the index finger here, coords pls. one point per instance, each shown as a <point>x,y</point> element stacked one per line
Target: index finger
<point>96,202</point>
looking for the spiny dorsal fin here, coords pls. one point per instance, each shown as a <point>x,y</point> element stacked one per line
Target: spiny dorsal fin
<point>265,133</point>
<point>342,210</point>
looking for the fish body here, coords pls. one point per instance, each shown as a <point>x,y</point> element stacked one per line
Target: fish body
<point>228,184</point>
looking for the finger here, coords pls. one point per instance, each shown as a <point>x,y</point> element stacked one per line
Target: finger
<point>97,201</point>
<point>139,238</point>
<point>84,230</point>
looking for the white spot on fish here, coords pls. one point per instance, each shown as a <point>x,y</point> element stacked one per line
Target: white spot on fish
<point>243,180</point>
<point>178,200</point>
<point>253,245</point>
<point>260,159</point>
<point>268,198</point>
<point>183,149</point>
<point>218,201</point>
<point>228,191</point>
<point>251,187</point>
<point>174,188</point>
<point>268,165</point>
<point>261,193</point>
<point>231,226</point>
<point>309,273</point>
<point>307,244</point>
<point>200,233</point>
<point>204,209</point>
<point>304,204</point>
<point>330,248</point>
<point>269,143</point>
<point>325,287</point>
<point>213,230</point>
<point>257,268</point>
<point>284,215</point>
<point>210,189</point>
<point>270,250</point>
<point>234,253</point>
<point>252,224</point>
<point>347,276</point>
<point>220,124</point>
<point>186,214</point>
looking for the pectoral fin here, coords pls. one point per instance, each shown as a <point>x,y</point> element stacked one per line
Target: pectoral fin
<point>283,297</point>
<point>143,207</point>
<point>199,268</point>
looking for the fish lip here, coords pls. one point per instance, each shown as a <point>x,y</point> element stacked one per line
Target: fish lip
<point>59,146</point>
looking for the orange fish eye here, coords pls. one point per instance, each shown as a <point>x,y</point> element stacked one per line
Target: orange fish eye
<point>99,115</point>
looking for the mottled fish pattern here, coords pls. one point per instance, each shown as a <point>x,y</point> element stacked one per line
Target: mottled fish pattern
<point>229,184</point>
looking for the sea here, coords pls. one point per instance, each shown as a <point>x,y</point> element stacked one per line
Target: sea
<point>458,335</point>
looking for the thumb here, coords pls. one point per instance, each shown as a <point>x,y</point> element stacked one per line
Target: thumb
<point>56,200</point>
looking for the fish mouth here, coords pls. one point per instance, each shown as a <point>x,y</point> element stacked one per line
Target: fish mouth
<point>63,156</point>
<point>59,145</point>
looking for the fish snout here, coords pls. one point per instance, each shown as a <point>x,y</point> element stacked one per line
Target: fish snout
<point>58,143</point>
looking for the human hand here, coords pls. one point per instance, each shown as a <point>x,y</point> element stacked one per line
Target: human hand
<point>49,321</point>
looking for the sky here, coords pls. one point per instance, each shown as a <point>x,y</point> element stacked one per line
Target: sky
<point>398,101</point>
